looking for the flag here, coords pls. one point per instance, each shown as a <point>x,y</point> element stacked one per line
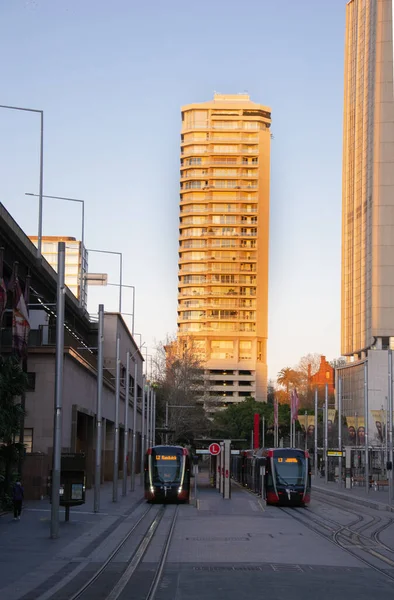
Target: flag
<point>294,405</point>
<point>276,420</point>
<point>20,320</point>
<point>3,298</point>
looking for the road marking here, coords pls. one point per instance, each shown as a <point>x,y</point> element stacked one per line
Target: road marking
<point>381,557</point>
<point>79,512</point>
<point>253,505</point>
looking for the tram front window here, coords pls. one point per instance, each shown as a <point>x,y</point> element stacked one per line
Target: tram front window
<point>166,468</point>
<point>289,470</point>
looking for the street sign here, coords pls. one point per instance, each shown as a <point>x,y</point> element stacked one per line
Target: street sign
<point>334,453</point>
<point>214,449</point>
<point>96,278</point>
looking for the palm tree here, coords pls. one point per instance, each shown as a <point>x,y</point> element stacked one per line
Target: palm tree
<point>288,377</point>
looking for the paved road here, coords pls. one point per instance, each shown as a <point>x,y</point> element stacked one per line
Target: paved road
<point>232,549</point>
<point>220,550</point>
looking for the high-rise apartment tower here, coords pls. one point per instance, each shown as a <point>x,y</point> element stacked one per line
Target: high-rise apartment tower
<point>75,253</point>
<point>368,179</point>
<point>223,242</point>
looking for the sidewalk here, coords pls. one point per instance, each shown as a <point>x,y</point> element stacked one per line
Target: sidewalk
<point>27,554</point>
<point>358,494</point>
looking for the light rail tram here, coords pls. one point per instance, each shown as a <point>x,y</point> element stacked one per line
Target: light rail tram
<point>167,474</point>
<point>287,478</point>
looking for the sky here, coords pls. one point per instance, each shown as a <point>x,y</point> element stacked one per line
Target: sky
<point>111,78</point>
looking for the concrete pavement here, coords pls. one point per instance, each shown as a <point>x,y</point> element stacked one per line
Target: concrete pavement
<point>28,557</point>
<point>221,550</point>
<point>378,499</point>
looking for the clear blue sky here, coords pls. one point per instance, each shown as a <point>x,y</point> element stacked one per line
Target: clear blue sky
<point>111,77</point>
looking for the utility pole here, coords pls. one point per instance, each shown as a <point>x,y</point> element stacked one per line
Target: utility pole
<point>134,444</point>
<point>366,426</point>
<point>99,418</point>
<point>116,440</point>
<point>143,433</point>
<point>126,426</point>
<point>57,428</point>
<point>315,432</point>
<point>167,423</point>
<point>340,428</point>
<point>326,434</point>
<point>389,433</point>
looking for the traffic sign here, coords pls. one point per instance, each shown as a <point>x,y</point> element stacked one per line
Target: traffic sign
<point>214,449</point>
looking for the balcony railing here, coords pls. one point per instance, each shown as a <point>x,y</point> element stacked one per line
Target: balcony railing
<point>204,195</point>
<point>217,234</point>
<point>221,140</point>
<point>231,161</point>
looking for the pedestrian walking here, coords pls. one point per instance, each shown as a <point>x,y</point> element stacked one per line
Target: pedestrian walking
<point>17,499</point>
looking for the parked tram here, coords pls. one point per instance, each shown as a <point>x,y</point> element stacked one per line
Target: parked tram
<point>167,474</point>
<point>287,478</point>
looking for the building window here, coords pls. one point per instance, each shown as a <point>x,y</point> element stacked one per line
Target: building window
<point>31,382</point>
<point>28,440</point>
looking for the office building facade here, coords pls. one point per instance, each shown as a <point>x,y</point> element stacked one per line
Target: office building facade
<point>368,180</point>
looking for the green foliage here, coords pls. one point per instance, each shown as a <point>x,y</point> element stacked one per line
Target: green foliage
<point>13,383</point>
<point>236,421</point>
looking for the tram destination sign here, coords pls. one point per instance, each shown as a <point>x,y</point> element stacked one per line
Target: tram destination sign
<point>334,453</point>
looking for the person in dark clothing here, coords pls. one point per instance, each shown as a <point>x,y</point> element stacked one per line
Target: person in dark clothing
<point>17,499</point>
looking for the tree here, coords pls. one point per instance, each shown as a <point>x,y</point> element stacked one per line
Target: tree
<point>236,421</point>
<point>180,384</point>
<point>288,378</point>
<point>338,362</point>
<point>13,383</point>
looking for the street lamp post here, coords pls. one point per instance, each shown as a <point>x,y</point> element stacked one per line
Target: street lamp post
<point>126,425</point>
<point>59,373</point>
<point>41,113</point>
<point>82,202</point>
<point>116,448</point>
<point>143,431</point>
<point>120,270</point>
<point>132,314</point>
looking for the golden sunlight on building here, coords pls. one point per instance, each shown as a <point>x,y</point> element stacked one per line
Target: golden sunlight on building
<point>368,180</point>
<point>223,242</point>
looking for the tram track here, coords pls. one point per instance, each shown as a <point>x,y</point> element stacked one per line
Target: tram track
<point>87,586</point>
<point>93,588</point>
<point>343,537</point>
<point>376,520</point>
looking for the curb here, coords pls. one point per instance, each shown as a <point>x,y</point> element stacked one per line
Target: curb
<point>354,499</point>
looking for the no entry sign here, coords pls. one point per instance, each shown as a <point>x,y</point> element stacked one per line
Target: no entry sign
<point>214,449</point>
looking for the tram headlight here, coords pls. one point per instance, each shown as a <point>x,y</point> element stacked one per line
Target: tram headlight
<point>152,489</point>
<point>180,490</point>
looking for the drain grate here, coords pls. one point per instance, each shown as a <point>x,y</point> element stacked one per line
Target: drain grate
<point>234,568</point>
<point>217,539</point>
<point>287,568</point>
